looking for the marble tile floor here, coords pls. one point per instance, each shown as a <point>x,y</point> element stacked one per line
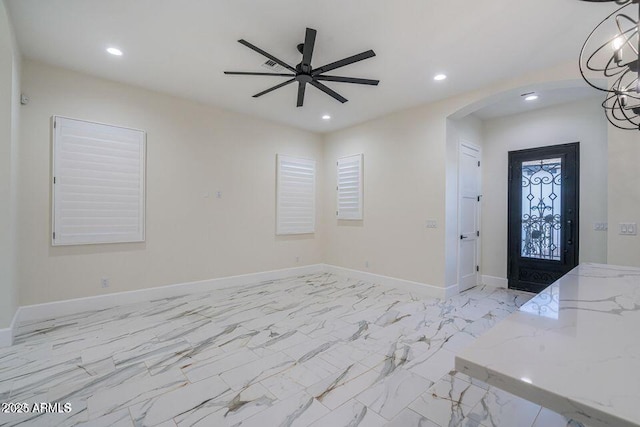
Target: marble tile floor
<point>317,350</point>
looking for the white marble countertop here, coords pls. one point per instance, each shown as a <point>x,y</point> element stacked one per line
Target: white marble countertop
<point>574,348</point>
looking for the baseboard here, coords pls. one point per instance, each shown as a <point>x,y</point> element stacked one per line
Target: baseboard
<point>66,307</point>
<point>50,310</point>
<point>496,282</point>
<point>7,334</point>
<point>407,285</point>
<point>6,337</point>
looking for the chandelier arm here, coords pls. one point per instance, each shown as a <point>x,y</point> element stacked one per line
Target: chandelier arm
<point>612,113</point>
<point>622,110</point>
<point>586,79</point>
<point>631,87</point>
<point>615,124</point>
<point>608,67</point>
<point>584,46</point>
<point>633,31</point>
<point>622,102</point>
<point>619,88</point>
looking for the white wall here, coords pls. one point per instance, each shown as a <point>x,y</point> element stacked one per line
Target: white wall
<point>469,129</point>
<point>404,183</point>
<point>410,170</point>
<point>193,151</point>
<point>9,119</point>
<point>624,195</point>
<point>410,176</point>
<point>582,122</point>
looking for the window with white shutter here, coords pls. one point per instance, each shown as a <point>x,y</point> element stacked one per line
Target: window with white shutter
<point>350,187</point>
<point>98,183</point>
<point>296,195</point>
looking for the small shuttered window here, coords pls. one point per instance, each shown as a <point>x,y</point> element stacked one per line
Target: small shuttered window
<point>296,195</point>
<point>98,183</point>
<point>350,187</point>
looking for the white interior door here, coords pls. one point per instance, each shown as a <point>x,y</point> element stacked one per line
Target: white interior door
<point>468,214</point>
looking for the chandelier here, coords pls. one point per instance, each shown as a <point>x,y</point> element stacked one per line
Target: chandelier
<point>618,60</point>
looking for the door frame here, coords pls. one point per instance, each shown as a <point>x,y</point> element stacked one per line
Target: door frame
<point>514,214</point>
<point>477,148</point>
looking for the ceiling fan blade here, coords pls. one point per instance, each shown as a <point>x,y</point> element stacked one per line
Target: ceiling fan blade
<point>268,55</point>
<point>347,80</point>
<point>273,88</point>
<point>309,42</point>
<point>343,62</point>
<point>301,88</point>
<point>328,91</point>
<point>246,73</point>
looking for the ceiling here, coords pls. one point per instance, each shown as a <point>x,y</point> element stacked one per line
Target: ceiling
<point>514,103</point>
<point>182,47</point>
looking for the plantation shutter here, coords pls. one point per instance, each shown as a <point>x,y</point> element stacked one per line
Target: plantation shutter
<point>296,195</point>
<point>350,187</point>
<point>98,183</point>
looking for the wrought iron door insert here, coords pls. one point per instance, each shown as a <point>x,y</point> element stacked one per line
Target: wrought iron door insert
<point>543,215</point>
<point>541,202</point>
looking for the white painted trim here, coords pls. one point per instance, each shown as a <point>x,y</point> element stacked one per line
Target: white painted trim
<point>451,291</point>
<point>6,337</point>
<point>7,334</point>
<point>63,308</point>
<point>407,285</point>
<point>478,149</point>
<point>496,282</point>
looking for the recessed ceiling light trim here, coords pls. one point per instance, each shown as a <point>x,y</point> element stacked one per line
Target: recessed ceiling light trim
<point>114,51</point>
<point>326,117</point>
<point>440,77</point>
<point>531,96</point>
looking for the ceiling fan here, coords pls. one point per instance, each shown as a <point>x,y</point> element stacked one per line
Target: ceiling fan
<point>304,73</point>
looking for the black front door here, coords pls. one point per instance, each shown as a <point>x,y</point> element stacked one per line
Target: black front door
<point>543,215</point>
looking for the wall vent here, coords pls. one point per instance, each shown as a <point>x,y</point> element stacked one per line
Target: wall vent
<point>274,66</point>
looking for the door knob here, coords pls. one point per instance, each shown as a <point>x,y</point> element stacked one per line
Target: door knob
<point>462,236</point>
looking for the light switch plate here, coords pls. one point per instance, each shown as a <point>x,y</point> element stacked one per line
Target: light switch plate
<point>431,223</point>
<point>629,228</point>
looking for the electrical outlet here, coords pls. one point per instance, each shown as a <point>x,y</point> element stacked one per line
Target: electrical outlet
<point>600,226</point>
<point>628,228</point>
<point>366,264</point>
<point>432,223</point>
<point>218,194</point>
<point>104,282</point>
<point>297,259</point>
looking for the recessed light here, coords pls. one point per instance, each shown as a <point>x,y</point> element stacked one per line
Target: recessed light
<point>531,98</point>
<point>440,77</point>
<point>326,117</point>
<point>114,51</point>
<point>526,380</point>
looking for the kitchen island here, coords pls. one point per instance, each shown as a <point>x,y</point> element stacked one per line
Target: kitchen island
<point>574,348</point>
